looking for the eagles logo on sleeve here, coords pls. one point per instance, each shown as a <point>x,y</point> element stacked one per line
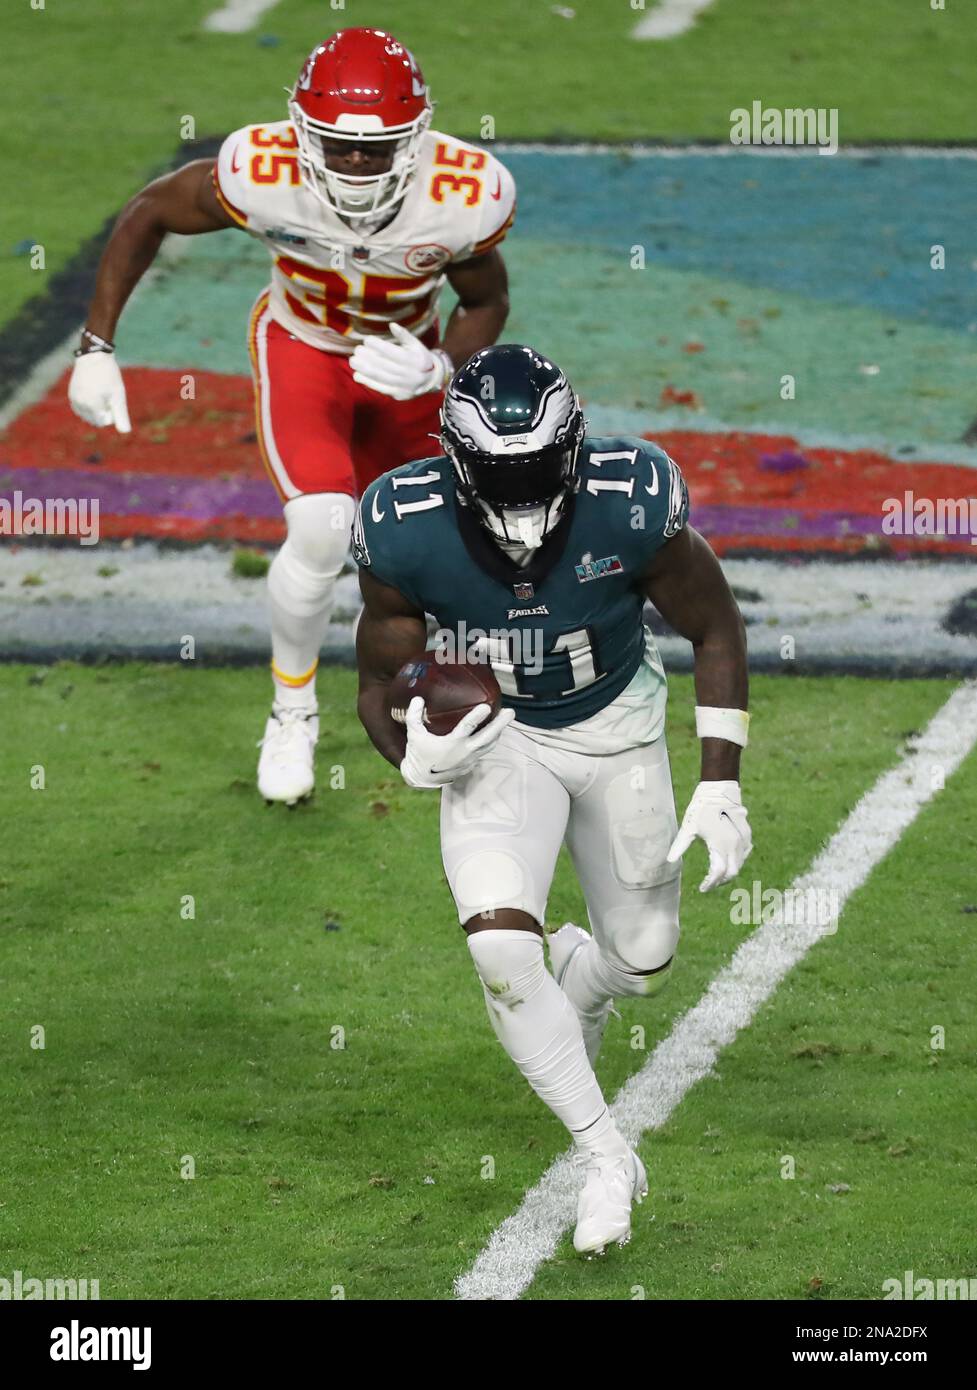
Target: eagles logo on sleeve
<point>678,500</point>
<point>361,554</point>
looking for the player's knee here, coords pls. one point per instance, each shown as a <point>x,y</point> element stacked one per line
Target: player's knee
<point>509,964</point>
<point>642,941</point>
<point>487,882</point>
<point>646,983</point>
<point>503,919</point>
<point>318,530</point>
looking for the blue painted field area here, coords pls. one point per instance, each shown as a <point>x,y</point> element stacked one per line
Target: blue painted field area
<point>850,231</point>
<point>755,267</point>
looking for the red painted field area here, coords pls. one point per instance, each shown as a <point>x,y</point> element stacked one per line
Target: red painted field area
<point>191,471</point>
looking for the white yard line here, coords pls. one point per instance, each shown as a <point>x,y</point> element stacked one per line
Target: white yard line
<point>508,1264</point>
<point>237,16</point>
<point>669,19</point>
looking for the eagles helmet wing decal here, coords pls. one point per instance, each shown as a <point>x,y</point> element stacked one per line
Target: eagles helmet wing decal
<point>554,414</point>
<point>678,500</point>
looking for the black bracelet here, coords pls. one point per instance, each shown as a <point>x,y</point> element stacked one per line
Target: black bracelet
<point>97,344</point>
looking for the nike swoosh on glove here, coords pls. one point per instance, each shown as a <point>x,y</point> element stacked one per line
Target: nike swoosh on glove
<point>434,760</point>
<point>403,368</point>
<point>96,391</point>
<point>717,816</point>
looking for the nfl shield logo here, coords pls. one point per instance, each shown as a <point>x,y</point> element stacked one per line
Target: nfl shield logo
<point>523,591</point>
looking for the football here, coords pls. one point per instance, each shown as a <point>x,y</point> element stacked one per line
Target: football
<point>449,690</point>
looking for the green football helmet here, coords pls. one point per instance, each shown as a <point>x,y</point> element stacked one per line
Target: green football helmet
<point>512,426</point>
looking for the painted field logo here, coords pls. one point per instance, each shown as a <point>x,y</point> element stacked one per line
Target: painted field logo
<point>50,516</point>
<point>589,568</point>
<point>788,907</point>
<point>925,1290</point>
<point>18,1289</point>
<point>910,515</point>
<point>792,126</point>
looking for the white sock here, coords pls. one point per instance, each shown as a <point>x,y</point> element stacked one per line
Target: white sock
<point>301,583</point>
<point>537,1026</point>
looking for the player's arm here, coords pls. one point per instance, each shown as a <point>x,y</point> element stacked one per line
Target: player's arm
<point>402,367</point>
<point>686,584</point>
<point>482,287</point>
<point>391,632</point>
<point>183,202</point>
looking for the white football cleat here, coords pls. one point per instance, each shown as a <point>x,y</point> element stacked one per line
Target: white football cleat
<point>564,945</point>
<point>285,768</point>
<point>604,1208</point>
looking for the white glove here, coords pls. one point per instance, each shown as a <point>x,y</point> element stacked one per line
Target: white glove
<point>403,368</point>
<point>96,391</point>
<point>434,760</point>
<point>716,814</point>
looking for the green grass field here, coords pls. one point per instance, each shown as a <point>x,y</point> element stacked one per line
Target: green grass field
<point>213,1037</point>
<point>103,85</point>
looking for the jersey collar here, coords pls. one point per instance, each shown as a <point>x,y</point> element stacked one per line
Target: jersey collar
<point>495,562</point>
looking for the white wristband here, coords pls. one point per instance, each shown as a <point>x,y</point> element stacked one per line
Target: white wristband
<point>730,724</point>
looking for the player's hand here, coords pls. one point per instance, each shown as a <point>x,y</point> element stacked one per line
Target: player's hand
<point>403,368</point>
<point>717,816</point>
<point>434,760</point>
<point>96,391</point>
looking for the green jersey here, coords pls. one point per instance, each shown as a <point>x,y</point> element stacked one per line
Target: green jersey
<point>564,633</point>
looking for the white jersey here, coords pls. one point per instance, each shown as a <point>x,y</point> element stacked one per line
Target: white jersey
<point>331,284</point>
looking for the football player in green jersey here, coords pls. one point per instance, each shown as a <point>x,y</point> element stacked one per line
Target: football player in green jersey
<point>535,547</point>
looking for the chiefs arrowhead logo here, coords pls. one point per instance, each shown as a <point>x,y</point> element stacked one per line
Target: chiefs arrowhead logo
<point>429,257</point>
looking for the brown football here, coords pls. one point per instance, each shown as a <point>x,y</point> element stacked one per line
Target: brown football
<point>449,690</point>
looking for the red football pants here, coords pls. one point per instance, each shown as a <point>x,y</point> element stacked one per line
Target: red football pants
<point>318,429</point>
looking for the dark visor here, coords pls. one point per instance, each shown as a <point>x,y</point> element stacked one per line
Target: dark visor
<point>524,480</point>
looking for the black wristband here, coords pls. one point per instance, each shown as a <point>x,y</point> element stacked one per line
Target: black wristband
<point>93,344</point>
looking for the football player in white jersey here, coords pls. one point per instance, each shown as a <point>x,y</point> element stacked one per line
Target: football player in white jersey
<point>365,212</point>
